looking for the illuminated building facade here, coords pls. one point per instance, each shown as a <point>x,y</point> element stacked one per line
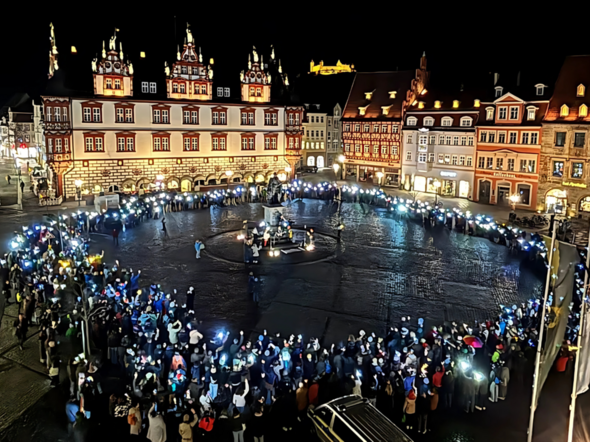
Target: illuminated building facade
<point>564,182</point>
<point>320,69</point>
<point>509,135</point>
<point>439,143</point>
<point>137,124</point>
<point>21,129</point>
<point>372,121</point>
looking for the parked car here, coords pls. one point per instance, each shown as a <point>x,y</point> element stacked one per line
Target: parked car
<point>351,419</point>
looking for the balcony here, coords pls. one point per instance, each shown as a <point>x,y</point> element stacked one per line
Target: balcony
<point>57,125</point>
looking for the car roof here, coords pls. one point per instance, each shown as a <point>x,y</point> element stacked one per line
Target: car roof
<point>366,419</point>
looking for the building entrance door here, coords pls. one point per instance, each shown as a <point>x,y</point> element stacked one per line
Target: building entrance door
<point>484,192</point>
<point>503,196</point>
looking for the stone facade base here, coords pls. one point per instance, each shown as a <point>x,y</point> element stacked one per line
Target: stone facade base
<point>106,173</point>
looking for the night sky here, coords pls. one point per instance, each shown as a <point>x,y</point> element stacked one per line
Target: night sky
<point>462,43</point>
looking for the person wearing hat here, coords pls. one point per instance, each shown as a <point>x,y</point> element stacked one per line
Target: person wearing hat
<point>410,409</point>
<point>185,429</point>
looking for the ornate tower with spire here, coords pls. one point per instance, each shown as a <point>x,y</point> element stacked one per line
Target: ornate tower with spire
<point>255,81</point>
<point>113,76</point>
<point>189,78</point>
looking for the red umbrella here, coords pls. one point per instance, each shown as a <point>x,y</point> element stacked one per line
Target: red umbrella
<point>474,341</point>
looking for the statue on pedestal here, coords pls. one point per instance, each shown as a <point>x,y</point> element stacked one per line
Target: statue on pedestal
<point>273,191</point>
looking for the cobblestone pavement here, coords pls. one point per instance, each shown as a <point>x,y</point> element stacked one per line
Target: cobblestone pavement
<point>385,267</point>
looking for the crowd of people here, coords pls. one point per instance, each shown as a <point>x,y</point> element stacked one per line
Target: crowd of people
<point>137,358</point>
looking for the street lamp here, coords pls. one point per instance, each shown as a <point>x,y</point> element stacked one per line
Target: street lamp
<point>228,173</point>
<point>78,183</point>
<point>336,166</point>
<point>514,200</point>
<point>437,184</point>
<point>379,175</point>
<point>341,159</point>
<point>288,171</point>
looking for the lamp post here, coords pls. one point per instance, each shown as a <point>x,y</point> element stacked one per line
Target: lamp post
<point>514,200</point>
<point>228,173</point>
<point>336,167</point>
<point>437,184</point>
<point>78,183</point>
<point>380,176</point>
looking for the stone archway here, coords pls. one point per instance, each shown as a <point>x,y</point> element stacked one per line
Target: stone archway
<point>211,179</point>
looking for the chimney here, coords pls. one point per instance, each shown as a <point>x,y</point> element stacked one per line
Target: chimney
<point>496,78</point>
<point>518,79</point>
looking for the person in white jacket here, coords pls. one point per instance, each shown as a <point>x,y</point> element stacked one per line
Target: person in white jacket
<point>240,396</point>
<point>157,430</point>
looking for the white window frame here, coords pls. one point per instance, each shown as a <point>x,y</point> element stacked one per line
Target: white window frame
<point>489,113</point>
<point>446,121</point>
<point>503,110</point>
<point>145,88</point>
<point>513,109</point>
<point>428,121</point>
<point>466,121</point>
<point>412,121</point>
<point>153,88</point>
<point>220,92</point>
<point>226,92</point>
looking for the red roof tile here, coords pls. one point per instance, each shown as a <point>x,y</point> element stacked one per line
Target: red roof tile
<point>575,71</point>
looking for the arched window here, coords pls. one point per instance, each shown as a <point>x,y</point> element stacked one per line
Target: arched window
<point>447,121</point>
<point>428,121</point>
<point>580,90</point>
<point>583,111</point>
<point>585,204</point>
<point>466,121</point>
<point>412,121</point>
<point>564,111</point>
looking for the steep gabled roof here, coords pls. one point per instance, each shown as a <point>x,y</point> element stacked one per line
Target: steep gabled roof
<point>574,71</point>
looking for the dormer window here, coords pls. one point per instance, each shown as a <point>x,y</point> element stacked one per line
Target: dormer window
<point>580,90</point>
<point>362,110</point>
<point>421,105</point>
<point>385,109</point>
<point>476,103</point>
<point>564,111</point>
<point>455,104</point>
<point>583,111</point>
<point>437,104</point>
<point>447,121</point>
<point>489,113</point>
<point>392,94</point>
<point>368,95</point>
<point>540,89</point>
<point>428,121</point>
<point>530,113</point>
<point>466,121</point>
<point>412,121</point>
<point>499,90</point>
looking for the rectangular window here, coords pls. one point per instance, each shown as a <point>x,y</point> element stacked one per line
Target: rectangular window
<point>267,119</point>
<point>357,148</point>
<point>525,138</point>
<point>499,163</point>
<point>109,84</point>
<point>447,158</point>
<point>409,155</point>
<point>501,137</point>
<point>89,144</point>
<point>194,117</point>
<point>215,143</point>
<point>222,117</point>
<point>165,144</point>
<point>470,141</point>
<point>431,157</point>
<point>215,118</point>
<point>483,135</point>
<point>195,143</point>
<point>454,160</point>
<point>117,84</point>
<point>157,143</point>
<point>120,117</point>
<point>65,114</point>
<point>510,163</point>
<point>251,118</point>
<point>469,161</point>
<point>383,150</point>
<point>409,139</point>
<point>441,158</point>
<point>58,148</point>
<point>152,88</point>
<point>579,139</point>
<point>577,170</point>
<point>441,139</point>
<point>559,139</point>
<point>376,149</point>
<point>462,160</point>
<point>220,92</point>
<point>490,163</point>
<point>244,118</point>
<point>455,140</point>
<point>187,142</point>
<point>97,144</point>
<point>532,166</point>
<point>129,115</point>
<point>156,115</point>
<point>366,128</point>
<point>422,157</point>
<point>357,127</point>
<point>513,113</point>
<point>120,144</point>
<point>481,162</point>
<point>57,115</point>
<point>130,144</point>
<point>347,147</point>
<point>203,89</point>
<point>165,116</point>
<point>448,140</point>
<point>502,113</point>
<point>491,137</point>
<point>347,127</point>
<point>512,137</point>
<point>375,128</point>
<point>383,128</point>
<point>226,91</point>
<point>66,145</point>
<point>144,87</point>
<point>534,138</point>
<point>422,140</point>
<point>463,141</point>
<point>523,165</point>
<point>366,148</point>
<point>186,117</point>
<point>432,139</point>
<point>96,115</point>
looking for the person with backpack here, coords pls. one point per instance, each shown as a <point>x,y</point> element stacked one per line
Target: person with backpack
<point>134,420</point>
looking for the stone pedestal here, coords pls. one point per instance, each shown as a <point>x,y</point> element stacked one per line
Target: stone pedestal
<point>270,214</point>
